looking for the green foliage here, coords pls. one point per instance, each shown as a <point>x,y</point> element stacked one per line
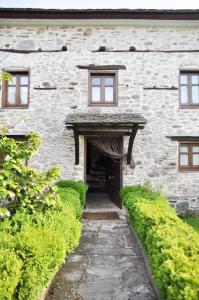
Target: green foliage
<point>78,186</point>
<point>44,226</point>
<point>193,221</point>
<point>171,245</point>
<point>39,243</point>
<point>5,76</point>
<point>72,198</point>
<point>10,271</point>
<point>23,186</point>
<point>4,212</point>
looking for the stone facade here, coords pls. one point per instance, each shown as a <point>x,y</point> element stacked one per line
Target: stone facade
<point>156,156</point>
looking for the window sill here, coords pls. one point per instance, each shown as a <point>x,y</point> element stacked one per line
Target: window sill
<point>102,104</point>
<point>196,106</point>
<point>15,107</point>
<point>188,170</point>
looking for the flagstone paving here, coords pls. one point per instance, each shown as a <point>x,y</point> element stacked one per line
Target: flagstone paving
<point>105,266</point>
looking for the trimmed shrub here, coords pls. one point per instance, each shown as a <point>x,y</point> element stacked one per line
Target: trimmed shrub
<point>78,186</point>
<point>10,272</point>
<point>72,199</point>
<point>171,245</point>
<point>36,245</point>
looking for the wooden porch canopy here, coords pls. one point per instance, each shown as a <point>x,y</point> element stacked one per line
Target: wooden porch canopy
<point>104,125</point>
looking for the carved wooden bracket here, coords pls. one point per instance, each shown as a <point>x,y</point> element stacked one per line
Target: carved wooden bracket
<point>131,141</point>
<point>76,138</point>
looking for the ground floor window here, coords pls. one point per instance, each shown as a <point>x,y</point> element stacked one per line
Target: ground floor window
<point>189,156</point>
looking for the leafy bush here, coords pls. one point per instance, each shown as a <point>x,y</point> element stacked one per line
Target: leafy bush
<point>10,272</point>
<point>37,245</point>
<point>192,221</point>
<point>171,245</point>
<point>79,186</point>
<point>23,186</point>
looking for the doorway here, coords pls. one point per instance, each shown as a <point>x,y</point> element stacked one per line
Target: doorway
<point>103,174</point>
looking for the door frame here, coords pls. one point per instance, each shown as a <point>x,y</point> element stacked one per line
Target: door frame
<point>105,135</point>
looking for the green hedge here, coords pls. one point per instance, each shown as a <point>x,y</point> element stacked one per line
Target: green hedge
<point>10,272</point>
<point>33,247</point>
<point>78,186</point>
<point>171,245</point>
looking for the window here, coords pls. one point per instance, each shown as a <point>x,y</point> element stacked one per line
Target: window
<point>189,89</point>
<point>189,156</point>
<point>16,93</point>
<point>103,89</point>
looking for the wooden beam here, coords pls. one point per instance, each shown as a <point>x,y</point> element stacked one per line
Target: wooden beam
<point>160,88</point>
<point>151,51</point>
<point>102,67</point>
<point>17,51</point>
<point>76,138</point>
<point>131,140</point>
<point>183,138</point>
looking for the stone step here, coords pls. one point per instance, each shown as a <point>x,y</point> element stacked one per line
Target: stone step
<point>106,215</point>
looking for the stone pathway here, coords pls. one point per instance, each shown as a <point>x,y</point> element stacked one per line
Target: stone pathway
<point>105,266</point>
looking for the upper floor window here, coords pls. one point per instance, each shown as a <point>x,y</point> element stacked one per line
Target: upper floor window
<point>189,89</point>
<point>16,93</point>
<point>103,89</point>
<point>189,156</point>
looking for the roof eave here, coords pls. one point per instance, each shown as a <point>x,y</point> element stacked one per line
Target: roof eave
<point>98,22</point>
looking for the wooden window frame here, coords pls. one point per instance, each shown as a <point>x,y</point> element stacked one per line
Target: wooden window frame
<point>190,145</point>
<point>102,102</point>
<point>189,87</point>
<point>17,104</point>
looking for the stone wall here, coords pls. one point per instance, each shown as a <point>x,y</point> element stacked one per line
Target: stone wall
<point>155,155</point>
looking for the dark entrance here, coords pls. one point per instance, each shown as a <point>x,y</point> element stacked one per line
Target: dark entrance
<point>103,173</point>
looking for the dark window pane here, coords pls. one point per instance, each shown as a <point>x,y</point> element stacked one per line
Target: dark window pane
<point>109,81</point>
<point>11,95</point>
<point>195,94</point>
<point>195,79</point>
<point>184,95</point>
<point>195,159</point>
<point>184,149</point>
<point>96,94</point>
<point>183,79</point>
<point>184,161</point>
<point>109,94</point>
<point>24,80</point>
<point>195,149</point>
<point>13,82</point>
<point>24,95</point>
<point>95,81</point>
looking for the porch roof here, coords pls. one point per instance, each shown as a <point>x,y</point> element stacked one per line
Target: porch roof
<point>85,123</point>
<point>104,120</point>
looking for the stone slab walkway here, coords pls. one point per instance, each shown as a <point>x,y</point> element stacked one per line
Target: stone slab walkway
<point>105,266</point>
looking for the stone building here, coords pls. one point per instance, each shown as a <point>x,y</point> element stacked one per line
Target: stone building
<point>91,82</point>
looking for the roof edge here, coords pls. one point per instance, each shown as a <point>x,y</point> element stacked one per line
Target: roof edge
<point>103,14</point>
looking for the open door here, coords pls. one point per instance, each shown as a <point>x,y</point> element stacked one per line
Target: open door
<point>114,182</point>
<point>103,173</point>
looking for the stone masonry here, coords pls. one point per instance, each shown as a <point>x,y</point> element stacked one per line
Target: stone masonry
<point>155,155</point>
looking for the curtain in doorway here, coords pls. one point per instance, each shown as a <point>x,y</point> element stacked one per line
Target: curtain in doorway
<point>112,148</point>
